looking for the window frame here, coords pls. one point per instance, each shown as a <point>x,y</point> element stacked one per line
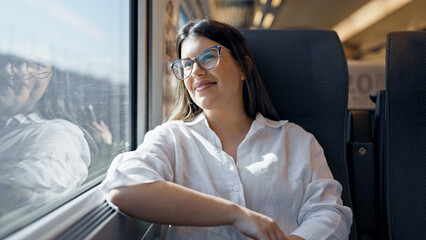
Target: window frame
<point>146,113</point>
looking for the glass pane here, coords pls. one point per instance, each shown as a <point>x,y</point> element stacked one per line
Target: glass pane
<point>64,101</point>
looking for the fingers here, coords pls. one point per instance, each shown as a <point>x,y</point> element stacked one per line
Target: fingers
<point>276,233</point>
<point>103,125</point>
<point>100,132</point>
<point>258,226</point>
<point>271,230</point>
<point>98,126</point>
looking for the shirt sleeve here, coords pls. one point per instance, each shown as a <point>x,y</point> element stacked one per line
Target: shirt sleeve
<point>150,162</point>
<point>55,159</point>
<point>322,215</point>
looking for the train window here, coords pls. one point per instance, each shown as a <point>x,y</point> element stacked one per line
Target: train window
<point>64,101</point>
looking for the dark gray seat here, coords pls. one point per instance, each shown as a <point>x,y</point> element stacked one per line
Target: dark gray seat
<point>404,158</point>
<point>305,73</point>
<point>363,172</point>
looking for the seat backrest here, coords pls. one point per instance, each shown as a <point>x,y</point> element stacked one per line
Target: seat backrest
<point>305,73</point>
<point>405,136</point>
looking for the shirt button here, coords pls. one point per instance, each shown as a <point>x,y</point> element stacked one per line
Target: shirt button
<point>237,188</point>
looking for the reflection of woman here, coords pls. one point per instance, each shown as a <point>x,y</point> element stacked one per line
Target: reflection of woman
<point>226,163</point>
<point>42,153</point>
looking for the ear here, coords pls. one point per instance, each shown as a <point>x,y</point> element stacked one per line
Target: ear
<point>250,64</point>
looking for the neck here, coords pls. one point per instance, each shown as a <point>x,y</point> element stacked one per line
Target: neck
<point>231,122</point>
<point>230,127</point>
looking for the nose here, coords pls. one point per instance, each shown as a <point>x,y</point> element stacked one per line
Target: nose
<point>198,71</point>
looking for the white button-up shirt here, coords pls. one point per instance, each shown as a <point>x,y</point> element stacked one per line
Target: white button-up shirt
<point>280,172</point>
<point>40,159</point>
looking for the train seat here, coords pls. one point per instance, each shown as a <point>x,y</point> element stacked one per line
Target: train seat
<point>404,140</point>
<point>306,75</point>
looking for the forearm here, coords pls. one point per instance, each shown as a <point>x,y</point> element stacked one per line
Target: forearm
<point>294,237</point>
<point>169,203</point>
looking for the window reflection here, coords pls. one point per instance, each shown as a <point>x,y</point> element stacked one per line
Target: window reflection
<point>43,151</point>
<point>64,102</point>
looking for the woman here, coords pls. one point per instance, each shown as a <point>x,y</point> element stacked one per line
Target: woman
<point>224,159</point>
<point>43,154</point>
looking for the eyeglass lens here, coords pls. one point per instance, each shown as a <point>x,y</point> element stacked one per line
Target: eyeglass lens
<point>207,59</point>
<point>25,69</point>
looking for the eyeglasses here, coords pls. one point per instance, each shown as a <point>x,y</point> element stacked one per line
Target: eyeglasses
<point>207,59</point>
<point>26,69</point>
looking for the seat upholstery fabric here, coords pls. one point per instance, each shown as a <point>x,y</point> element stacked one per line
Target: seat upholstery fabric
<point>404,162</point>
<point>305,73</point>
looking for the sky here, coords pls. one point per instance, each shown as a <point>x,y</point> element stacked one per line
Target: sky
<point>86,36</point>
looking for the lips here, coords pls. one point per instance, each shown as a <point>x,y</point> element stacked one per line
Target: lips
<point>203,84</point>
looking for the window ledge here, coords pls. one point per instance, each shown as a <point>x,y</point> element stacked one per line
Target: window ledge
<point>59,220</point>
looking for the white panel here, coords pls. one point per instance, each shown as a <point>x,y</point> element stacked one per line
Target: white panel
<point>142,71</point>
<point>156,77</point>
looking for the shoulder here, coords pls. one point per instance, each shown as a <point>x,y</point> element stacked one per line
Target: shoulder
<point>60,132</point>
<point>61,126</point>
<point>58,136</point>
<point>286,126</point>
<point>291,131</point>
<point>180,126</point>
<point>293,128</point>
<point>165,132</point>
<point>169,127</point>
<point>175,132</point>
<point>296,133</point>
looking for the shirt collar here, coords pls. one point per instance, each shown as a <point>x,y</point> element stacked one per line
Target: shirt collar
<point>258,123</point>
<point>199,118</point>
<point>268,122</point>
<point>22,119</point>
<point>261,122</point>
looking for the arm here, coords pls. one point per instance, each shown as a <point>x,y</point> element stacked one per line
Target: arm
<point>52,157</point>
<point>140,184</point>
<point>169,203</point>
<point>294,237</point>
<point>322,214</point>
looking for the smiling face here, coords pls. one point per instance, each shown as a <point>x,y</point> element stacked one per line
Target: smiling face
<point>19,93</point>
<point>218,89</point>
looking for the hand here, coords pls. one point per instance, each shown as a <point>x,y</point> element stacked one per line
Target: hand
<point>101,132</point>
<point>258,226</point>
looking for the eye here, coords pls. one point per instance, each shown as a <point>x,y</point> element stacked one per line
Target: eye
<point>22,65</point>
<point>187,64</point>
<point>210,56</point>
<point>19,64</point>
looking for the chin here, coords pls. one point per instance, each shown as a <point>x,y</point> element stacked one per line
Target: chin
<point>205,104</point>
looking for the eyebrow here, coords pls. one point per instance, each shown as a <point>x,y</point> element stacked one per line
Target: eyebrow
<point>200,52</point>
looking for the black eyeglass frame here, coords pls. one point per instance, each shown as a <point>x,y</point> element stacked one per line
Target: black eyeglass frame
<point>29,64</point>
<point>217,47</point>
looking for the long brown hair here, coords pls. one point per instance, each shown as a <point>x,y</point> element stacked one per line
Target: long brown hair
<point>255,97</point>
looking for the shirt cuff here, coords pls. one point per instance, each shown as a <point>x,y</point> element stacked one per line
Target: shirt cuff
<point>323,225</point>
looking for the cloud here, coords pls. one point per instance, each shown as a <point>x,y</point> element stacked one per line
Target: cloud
<point>65,15</point>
